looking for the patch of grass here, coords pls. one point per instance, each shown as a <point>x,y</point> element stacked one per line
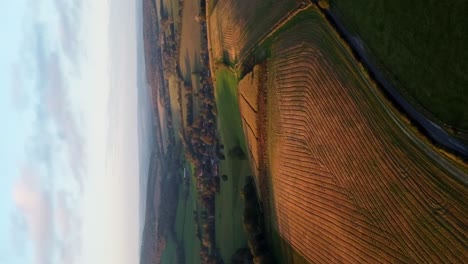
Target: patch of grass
<point>230,122</point>
<point>283,252</point>
<point>169,254</point>
<point>185,223</point>
<point>423,45</point>
<point>180,214</point>
<point>189,240</point>
<point>229,230</point>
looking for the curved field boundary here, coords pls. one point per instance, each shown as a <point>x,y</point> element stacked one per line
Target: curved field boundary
<point>236,26</point>
<point>351,184</point>
<point>436,133</point>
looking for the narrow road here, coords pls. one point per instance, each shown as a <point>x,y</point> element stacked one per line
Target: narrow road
<point>433,131</point>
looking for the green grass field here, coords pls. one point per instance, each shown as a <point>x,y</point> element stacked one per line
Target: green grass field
<point>191,243</point>
<point>185,224</point>
<point>169,253</point>
<point>230,235</point>
<point>423,45</point>
<point>229,230</point>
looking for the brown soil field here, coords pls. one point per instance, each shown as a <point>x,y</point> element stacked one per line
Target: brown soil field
<point>236,26</point>
<point>189,59</point>
<point>351,181</point>
<point>174,88</point>
<point>248,88</point>
<point>249,116</point>
<point>249,98</point>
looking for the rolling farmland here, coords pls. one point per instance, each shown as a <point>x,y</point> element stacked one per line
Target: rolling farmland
<point>236,26</point>
<point>351,180</point>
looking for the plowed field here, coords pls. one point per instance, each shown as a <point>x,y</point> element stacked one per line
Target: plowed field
<point>236,26</point>
<point>248,105</point>
<point>351,181</point>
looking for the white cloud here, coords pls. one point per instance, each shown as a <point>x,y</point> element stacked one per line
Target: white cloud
<point>65,62</point>
<point>48,219</point>
<point>66,223</point>
<point>47,192</point>
<point>69,15</point>
<point>18,96</point>
<point>35,208</point>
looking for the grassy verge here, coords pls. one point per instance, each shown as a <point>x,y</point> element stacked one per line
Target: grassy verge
<point>229,230</point>
<point>423,47</point>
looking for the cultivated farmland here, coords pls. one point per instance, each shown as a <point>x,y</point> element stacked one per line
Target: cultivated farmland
<point>250,100</point>
<point>343,174</point>
<point>422,45</point>
<point>236,26</point>
<point>351,181</point>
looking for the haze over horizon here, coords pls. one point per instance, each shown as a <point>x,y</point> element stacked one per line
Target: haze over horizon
<point>72,153</point>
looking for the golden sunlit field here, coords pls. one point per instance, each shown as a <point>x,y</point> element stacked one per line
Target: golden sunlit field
<point>351,181</point>
<point>237,26</point>
<point>277,145</point>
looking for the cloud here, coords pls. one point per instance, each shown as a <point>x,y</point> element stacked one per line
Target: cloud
<point>48,220</point>
<point>69,14</point>
<point>44,67</point>
<point>17,233</point>
<point>65,214</point>
<point>34,205</point>
<point>56,101</point>
<point>63,217</point>
<point>45,215</point>
<point>54,108</point>
<point>66,225</point>
<point>18,95</point>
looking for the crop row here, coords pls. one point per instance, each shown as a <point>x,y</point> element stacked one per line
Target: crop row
<point>248,105</point>
<point>349,181</point>
<point>248,88</point>
<point>238,25</point>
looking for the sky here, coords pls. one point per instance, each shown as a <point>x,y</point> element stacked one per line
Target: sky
<point>69,152</point>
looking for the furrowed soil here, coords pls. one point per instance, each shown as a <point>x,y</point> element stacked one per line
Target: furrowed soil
<point>342,176</point>
<point>351,181</point>
<point>236,26</point>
